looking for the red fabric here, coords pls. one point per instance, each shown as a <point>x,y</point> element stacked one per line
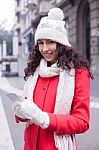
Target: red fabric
<point>20,119</point>
<point>16,119</point>
<point>37,138</point>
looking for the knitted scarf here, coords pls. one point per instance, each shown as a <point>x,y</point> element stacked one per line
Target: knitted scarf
<point>64,97</point>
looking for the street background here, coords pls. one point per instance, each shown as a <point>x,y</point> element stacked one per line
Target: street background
<point>86,141</point>
<point>18,23</point>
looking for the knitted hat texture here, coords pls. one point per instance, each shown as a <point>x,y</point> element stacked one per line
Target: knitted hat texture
<point>53,27</point>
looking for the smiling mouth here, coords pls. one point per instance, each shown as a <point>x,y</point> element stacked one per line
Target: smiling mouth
<point>47,54</point>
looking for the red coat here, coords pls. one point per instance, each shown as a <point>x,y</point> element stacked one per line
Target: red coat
<point>77,122</point>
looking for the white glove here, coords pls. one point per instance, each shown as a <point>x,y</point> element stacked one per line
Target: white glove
<point>31,110</point>
<point>18,111</point>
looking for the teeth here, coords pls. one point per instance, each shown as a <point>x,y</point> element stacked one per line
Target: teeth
<point>47,53</point>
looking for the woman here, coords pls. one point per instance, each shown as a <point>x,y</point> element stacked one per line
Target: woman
<point>57,90</point>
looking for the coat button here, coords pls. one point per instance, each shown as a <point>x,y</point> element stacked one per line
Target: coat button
<point>44,88</point>
<point>61,132</point>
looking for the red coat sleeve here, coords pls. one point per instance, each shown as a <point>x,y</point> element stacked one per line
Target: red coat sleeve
<point>78,120</point>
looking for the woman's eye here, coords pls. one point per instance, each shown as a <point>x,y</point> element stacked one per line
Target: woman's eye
<point>40,43</point>
<point>51,42</point>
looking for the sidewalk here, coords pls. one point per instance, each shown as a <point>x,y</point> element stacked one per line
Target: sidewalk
<point>6,142</point>
<point>13,85</point>
<point>95,87</point>
<point>95,93</point>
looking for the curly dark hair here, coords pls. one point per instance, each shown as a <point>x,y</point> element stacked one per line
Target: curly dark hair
<point>67,58</point>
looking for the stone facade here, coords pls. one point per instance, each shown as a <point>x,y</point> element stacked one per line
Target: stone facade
<point>83,20</point>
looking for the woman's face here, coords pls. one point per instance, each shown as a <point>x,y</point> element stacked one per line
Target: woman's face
<point>47,49</point>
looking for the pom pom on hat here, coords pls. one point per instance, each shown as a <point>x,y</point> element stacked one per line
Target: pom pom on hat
<point>56,14</point>
<point>53,27</point>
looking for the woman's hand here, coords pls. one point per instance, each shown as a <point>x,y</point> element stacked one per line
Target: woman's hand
<point>18,111</point>
<point>27,109</point>
<point>33,112</point>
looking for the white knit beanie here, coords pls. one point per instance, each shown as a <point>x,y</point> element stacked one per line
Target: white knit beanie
<point>53,27</point>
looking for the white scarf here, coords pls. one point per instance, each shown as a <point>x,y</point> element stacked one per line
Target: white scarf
<point>64,97</point>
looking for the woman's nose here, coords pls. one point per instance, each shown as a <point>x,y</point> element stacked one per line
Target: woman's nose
<point>45,47</point>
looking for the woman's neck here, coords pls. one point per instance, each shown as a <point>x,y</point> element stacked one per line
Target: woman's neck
<point>49,64</point>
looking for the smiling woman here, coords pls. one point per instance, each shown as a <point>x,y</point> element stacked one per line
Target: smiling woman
<point>56,94</point>
<point>7,14</point>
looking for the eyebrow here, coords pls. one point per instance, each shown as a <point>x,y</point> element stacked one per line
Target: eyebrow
<point>39,40</point>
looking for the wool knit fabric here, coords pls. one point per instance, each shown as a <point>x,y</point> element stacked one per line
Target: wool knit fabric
<point>53,27</point>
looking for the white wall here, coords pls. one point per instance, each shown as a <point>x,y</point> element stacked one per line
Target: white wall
<point>15,44</point>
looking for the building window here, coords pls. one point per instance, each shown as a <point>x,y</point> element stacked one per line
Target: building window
<point>83,28</point>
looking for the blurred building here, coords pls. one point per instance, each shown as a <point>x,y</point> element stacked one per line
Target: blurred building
<point>9,54</point>
<point>82,17</point>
